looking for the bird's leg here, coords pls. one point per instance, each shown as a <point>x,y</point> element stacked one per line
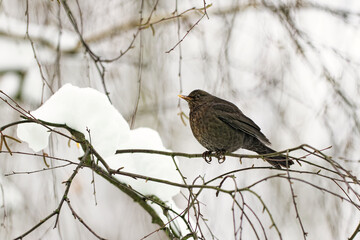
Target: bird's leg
<point>207,156</point>
<point>220,156</point>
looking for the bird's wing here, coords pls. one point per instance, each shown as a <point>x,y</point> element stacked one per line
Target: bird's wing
<point>232,115</point>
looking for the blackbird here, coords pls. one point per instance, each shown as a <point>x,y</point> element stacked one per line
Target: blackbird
<point>221,127</point>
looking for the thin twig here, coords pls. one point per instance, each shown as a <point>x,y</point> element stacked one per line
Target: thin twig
<point>34,51</point>
<point>56,212</point>
<point>76,216</point>
<point>357,230</point>
<point>295,205</point>
<point>37,171</point>
<point>140,62</point>
<point>188,31</point>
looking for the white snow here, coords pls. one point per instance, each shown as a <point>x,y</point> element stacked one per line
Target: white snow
<point>78,108</point>
<point>175,221</point>
<point>152,165</point>
<point>82,108</point>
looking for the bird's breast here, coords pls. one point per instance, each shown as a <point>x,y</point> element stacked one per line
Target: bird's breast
<point>212,133</point>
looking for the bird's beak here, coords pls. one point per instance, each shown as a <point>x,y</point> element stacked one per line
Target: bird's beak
<point>185,97</point>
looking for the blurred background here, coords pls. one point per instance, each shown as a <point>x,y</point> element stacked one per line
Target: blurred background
<point>291,66</point>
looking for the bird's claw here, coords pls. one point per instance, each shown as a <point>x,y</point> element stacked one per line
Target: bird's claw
<point>207,156</point>
<point>220,156</point>
<point>221,159</point>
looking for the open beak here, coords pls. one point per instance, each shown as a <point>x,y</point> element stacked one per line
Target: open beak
<point>185,97</point>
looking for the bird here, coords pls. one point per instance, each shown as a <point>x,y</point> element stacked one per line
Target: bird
<point>221,127</point>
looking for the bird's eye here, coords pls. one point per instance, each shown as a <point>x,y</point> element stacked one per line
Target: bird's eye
<point>196,97</point>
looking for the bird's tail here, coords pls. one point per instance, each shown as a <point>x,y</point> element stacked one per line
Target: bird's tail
<point>277,161</point>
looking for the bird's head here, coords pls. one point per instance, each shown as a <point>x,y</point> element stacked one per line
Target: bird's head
<point>196,98</point>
